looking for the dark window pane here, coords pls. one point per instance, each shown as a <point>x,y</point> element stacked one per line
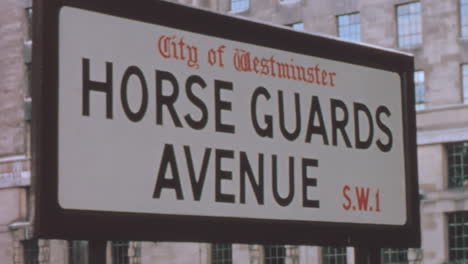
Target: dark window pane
<point>120,252</point>
<point>458,235</point>
<point>274,254</point>
<point>30,251</point>
<point>77,252</point>
<point>334,255</point>
<point>394,256</point>
<point>457,163</point>
<point>221,254</point>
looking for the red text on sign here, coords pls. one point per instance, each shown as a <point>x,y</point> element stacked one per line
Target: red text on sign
<point>358,198</point>
<point>172,47</point>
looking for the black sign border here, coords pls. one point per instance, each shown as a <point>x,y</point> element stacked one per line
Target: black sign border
<point>53,222</point>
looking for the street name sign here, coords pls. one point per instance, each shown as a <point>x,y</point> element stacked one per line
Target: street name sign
<point>155,121</point>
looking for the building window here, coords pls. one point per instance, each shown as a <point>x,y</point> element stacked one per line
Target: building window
<point>394,256</point>
<point>349,27</point>
<point>77,252</point>
<point>239,5</point>
<point>30,251</point>
<point>29,14</point>
<point>274,254</point>
<point>28,48</point>
<point>458,237</point>
<point>409,25</point>
<point>120,252</point>
<point>457,154</point>
<point>419,89</point>
<point>297,26</point>
<point>221,253</point>
<point>465,82</point>
<point>464,18</point>
<point>334,255</point>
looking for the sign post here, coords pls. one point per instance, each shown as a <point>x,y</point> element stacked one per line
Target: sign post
<point>367,255</point>
<point>146,123</point>
<point>97,251</point>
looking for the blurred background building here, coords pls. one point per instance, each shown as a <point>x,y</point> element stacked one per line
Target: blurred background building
<point>435,31</point>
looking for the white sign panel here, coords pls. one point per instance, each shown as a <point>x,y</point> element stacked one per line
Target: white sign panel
<point>157,120</point>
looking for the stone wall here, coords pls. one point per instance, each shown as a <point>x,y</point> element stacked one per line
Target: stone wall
<point>12,76</point>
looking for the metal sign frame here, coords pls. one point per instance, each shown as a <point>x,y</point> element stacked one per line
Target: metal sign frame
<point>52,221</point>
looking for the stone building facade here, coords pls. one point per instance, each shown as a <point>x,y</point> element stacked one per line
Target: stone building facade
<point>435,31</point>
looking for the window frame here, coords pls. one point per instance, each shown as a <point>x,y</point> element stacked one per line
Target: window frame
<point>419,105</point>
<point>453,181</point>
<point>339,26</point>
<point>29,20</point>
<point>30,251</point>
<point>238,5</point>
<point>78,252</point>
<point>394,255</point>
<point>334,255</point>
<point>27,46</point>
<point>221,253</point>
<point>410,45</point>
<point>119,251</point>
<point>464,82</point>
<point>299,25</point>
<point>464,235</point>
<point>274,254</point>
<point>460,19</point>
